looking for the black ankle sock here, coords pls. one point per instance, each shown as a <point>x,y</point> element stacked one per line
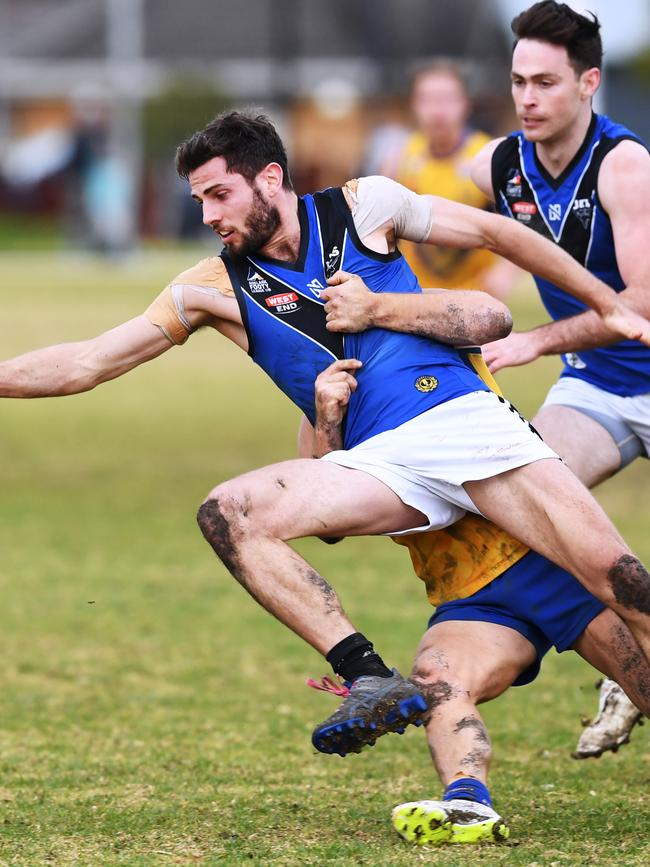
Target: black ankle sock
<point>355,656</point>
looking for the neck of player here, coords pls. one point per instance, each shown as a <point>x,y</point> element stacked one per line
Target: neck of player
<point>284,245</point>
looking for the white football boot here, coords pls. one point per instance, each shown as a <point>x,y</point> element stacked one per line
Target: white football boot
<point>611,727</point>
<point>457,821</point>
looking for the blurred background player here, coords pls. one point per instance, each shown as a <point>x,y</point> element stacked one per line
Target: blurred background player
<point>436,158</point>
<point>583,181</point>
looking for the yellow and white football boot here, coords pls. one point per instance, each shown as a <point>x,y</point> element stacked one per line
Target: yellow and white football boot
<point>456,821</point>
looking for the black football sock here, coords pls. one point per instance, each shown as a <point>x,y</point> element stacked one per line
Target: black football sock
<point>355,656</point>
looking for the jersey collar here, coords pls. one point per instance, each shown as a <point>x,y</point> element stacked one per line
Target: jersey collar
<point>556,183</point>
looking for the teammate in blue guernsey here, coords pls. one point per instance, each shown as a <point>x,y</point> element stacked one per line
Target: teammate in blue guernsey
<point>583,181</point>
<point>424,438</point>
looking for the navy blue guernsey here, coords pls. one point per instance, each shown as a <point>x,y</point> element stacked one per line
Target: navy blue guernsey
<point>567,210</point>
<point>402,376</point>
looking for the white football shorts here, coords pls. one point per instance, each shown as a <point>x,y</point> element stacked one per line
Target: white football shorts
<point>627,419</point>
<point>426,460</point>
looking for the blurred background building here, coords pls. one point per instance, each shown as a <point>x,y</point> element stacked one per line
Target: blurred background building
<point>95,95</point>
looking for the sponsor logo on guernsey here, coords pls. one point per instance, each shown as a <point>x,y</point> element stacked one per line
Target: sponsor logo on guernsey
<point>285,302</point>
<point>582,210</point>
<point>315,287</point>
<point>426,383</point>
<point>524,208</point>
<point>332,261</point>
<point>555,212</point>
<point>524,211</point>
<point>513,184</point>
<point>257,283</point>
<point>574,360</point>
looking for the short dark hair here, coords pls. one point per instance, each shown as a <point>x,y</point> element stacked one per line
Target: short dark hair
<point>245,140</point>
<point>558,24</point>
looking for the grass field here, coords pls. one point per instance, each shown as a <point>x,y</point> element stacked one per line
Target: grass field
<point>151,714</point>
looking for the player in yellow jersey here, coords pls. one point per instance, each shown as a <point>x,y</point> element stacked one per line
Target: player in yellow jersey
<point>436,158</point>
<point>499,608</point>
<point>481,642</point>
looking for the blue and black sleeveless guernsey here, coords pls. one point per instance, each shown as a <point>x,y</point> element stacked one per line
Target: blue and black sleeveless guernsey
<point>402,375</point>
<point>567,210</point>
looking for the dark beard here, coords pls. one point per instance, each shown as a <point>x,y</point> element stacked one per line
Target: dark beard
<point>261,224</point>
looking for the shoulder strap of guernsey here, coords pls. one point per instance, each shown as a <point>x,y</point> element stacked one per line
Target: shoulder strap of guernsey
<point>503,158</point>
<point>334,218</point>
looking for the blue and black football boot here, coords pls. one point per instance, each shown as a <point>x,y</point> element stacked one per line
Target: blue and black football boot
<point>373,706</point>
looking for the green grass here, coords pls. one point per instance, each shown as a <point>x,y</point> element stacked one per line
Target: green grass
<point>151,714</point>
<point>27,232</point>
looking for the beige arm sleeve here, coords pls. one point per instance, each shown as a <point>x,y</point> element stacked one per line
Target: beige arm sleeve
<point>376,201</point>
<point>208,277</point>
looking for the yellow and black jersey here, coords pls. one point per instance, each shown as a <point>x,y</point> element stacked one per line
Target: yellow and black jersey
<point>440,267</point>
<point>458,561</point>
<point>461,559</point>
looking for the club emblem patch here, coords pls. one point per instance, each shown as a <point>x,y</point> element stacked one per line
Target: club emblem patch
<point>426,383</point>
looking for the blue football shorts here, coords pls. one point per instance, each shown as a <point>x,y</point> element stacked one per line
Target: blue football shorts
<point>542,602</point>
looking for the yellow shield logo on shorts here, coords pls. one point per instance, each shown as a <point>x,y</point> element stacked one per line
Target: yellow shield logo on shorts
<point>426,383</point>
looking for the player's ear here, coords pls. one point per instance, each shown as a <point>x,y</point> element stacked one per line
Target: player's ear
<point>271,178</point>
<point>589,82</point>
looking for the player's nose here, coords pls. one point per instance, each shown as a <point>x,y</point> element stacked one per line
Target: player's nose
<point>529,96</point>
<point>211,214</point>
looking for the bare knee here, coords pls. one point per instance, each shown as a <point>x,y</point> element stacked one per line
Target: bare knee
<point>452,711</point>
<point>222,519</point>
<point>431,673</point>
<point>437,692</point>
<point>630,583</point>
<point>443,677</point>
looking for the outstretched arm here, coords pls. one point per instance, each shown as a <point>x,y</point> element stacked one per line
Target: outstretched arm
<point>69,368</point>
<point>456,317</point>
<point>457,225</point>
<point>197,297</point>
<point>385,211</point>
<point>624,191</point>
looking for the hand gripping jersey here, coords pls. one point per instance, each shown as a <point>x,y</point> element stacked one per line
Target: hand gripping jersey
<point>281,306</point>
<point>567,210</point>
<point>449,177</point>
